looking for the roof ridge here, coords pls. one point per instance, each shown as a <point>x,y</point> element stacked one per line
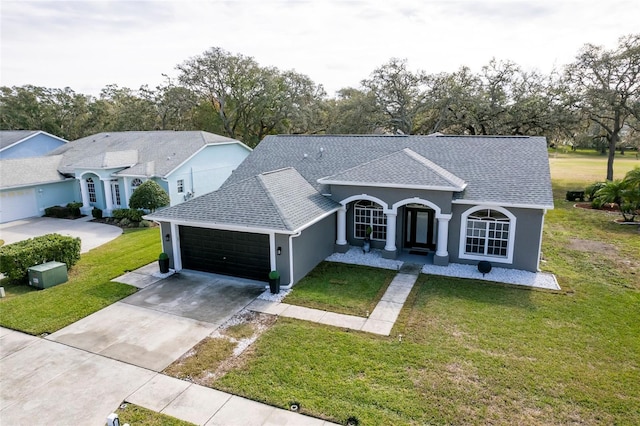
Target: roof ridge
<point>274,202</point>
<point>444,173</point>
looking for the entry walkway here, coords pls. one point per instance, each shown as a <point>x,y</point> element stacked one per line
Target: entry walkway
<point>380,321</point>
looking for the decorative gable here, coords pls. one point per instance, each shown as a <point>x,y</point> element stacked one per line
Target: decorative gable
<point>401,169</point>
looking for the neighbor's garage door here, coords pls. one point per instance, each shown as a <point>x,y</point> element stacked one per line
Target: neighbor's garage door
<point>18,204</point>
<point>240,254</point>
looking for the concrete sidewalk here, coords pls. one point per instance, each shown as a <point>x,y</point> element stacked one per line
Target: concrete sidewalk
<point>380,321</point>
<point>46,382</point>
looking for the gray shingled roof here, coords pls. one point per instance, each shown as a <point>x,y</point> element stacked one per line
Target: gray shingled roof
<point>401,169</point>
<point>9,137</point>
<point>509,170</point>
<point>165,149</point>
<point>280,200</point>
<point>29,171</point>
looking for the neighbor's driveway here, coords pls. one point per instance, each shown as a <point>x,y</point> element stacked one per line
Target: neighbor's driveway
<point>91,234</point>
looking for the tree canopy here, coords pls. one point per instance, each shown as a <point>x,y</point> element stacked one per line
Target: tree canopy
<point>592,102</point>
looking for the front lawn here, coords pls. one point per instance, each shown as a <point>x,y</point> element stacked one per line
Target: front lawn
<point>341,288</point>
<point>475,353</point>
<point>88,290</point>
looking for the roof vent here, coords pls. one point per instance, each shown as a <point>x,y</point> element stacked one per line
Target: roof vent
<point>305,155</point>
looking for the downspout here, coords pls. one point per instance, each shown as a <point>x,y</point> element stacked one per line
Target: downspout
<point>291,237</point>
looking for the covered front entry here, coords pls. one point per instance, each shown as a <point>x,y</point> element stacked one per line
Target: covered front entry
<point>239,254</point>
<point>419,228</point>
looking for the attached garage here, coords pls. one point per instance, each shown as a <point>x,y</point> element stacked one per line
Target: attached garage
<point>18,204</point>
<point>239,254</point>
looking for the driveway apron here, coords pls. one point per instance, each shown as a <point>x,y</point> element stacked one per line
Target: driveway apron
<point>154,327</point>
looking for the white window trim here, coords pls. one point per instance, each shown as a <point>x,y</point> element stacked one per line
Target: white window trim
<point>133,188</point>
<point>180,186</point>
<point>91,190</point>
<point>463,235</point>
<point>355,207</point>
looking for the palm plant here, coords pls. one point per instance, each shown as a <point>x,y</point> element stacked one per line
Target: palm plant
<point>620,193</point>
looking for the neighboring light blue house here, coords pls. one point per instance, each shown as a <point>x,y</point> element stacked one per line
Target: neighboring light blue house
<point>27,143</point>
<point>297,199</point>
<point>29,185</point>
<point>104,169</point>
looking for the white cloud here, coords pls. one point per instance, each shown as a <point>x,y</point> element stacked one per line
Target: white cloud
<point>88,44</point>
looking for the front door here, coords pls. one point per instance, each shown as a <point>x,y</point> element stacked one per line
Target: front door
<point>418,228</point>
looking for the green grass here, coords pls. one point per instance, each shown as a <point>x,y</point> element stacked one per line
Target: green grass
<point>88,290</point>
<point>139,416</point>
<point>478,353</point>
<point>341,288</point>
<point>206,356</point>
<point>581,170</point>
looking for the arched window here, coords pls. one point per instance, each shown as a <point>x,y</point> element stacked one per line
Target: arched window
<point>487,234</point>
<point>369,214</point>
<point>91,189</point>
<point>135,184</point>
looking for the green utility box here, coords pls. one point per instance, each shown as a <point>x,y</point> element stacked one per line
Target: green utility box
<point>48,274</point>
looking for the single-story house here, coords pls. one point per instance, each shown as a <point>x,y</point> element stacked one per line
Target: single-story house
<point>103,170</point>
<point>297,199</point>
<point>29,185</point>
<point>27,143</point>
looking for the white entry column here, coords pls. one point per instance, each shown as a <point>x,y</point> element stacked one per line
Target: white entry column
<point>391,231</point>
<point>106,183</point>
<point>341,232</point>
<point>84,193</point>
<point>442,253</point>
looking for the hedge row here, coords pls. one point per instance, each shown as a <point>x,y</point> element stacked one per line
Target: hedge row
<point>17,258</point>
<point>134,215</point>
<point>70,210</point>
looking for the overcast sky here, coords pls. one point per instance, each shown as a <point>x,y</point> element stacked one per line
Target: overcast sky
<point>88,44</point>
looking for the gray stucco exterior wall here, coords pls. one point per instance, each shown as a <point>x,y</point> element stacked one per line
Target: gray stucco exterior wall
<point>313,246</point>
<point>282,259</point>
<point>167,246</point>
<point>526,244</point>
<point>392,195</point>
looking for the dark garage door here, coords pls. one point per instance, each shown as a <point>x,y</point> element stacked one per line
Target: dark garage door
<point>240,254</point>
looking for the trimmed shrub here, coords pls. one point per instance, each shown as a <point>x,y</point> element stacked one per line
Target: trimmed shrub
<point>56,211</point>
<point>72,210</point>
<point>145,224</point>
<point>133,215</point>
<point>124,222</point>
<point>17,258</point>
<point>149,196</point>
<point>96,213</point>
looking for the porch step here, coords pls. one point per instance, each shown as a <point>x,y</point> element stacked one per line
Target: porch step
<point>411,268</point>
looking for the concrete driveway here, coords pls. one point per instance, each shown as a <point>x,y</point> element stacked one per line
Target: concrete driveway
<point>44,382</point>
<point>91,234</point>
<point>154,327</point>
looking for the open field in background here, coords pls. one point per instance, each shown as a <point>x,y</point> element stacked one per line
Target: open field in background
<point>579,170</point>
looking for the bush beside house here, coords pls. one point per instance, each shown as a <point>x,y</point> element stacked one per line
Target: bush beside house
<point>149,196</point>
<point>17,258</point>
<point>70,211</point>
